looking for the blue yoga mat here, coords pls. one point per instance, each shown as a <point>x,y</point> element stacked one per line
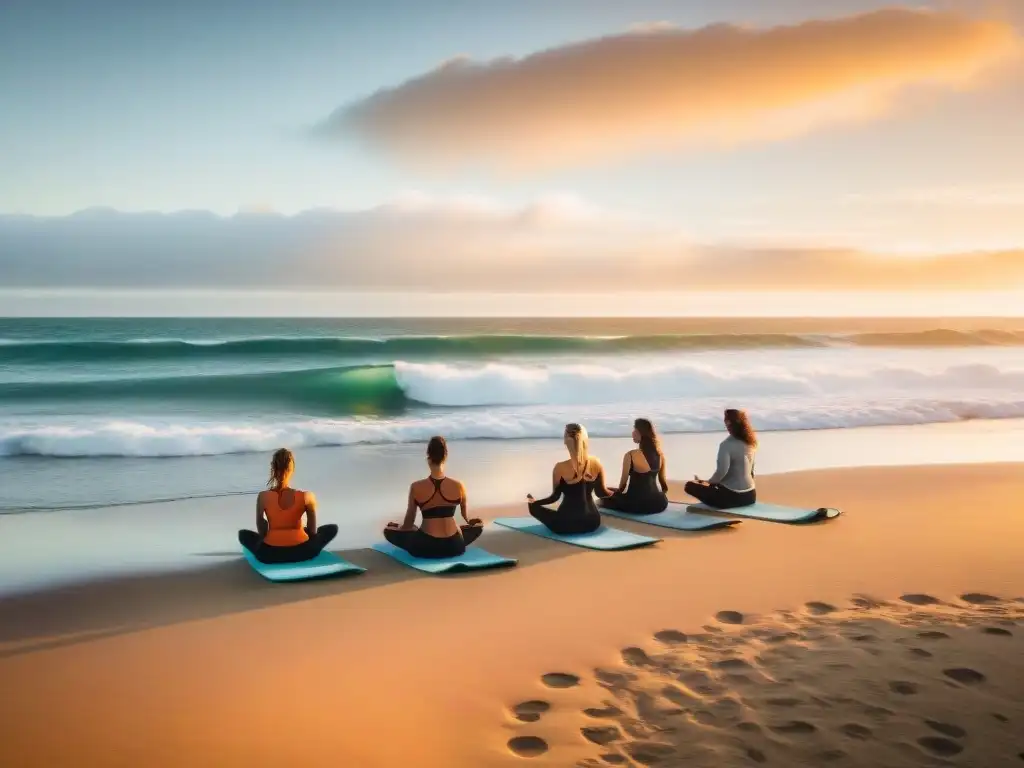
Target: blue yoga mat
<point>775,512</point>
<point>324,564</point>
<point>604,538</point>
<point>472,559</point>
<point>678,518</point>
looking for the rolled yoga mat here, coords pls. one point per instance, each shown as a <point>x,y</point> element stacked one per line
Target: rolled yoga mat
<point>774,512</point>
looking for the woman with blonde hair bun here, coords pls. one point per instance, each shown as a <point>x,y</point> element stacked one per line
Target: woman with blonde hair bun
<point>574,481</point>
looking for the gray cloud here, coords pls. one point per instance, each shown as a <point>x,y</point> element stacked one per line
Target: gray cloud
<point>429,246</point>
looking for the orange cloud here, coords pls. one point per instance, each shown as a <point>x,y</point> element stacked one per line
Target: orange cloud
<point>656,88</point>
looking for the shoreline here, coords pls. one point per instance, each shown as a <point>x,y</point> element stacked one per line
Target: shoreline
<point>182,658</point>
<point>358,490</point>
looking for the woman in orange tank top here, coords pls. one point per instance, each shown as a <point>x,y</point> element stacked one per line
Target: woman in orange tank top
<point>280,536</point>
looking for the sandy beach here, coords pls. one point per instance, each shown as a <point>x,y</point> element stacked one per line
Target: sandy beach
<point>889,636</point>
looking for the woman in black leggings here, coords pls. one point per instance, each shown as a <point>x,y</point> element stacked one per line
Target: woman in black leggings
<point>575,481</point>
<point>436,496</point>
<point>732,485</point>
<point>643,470</point>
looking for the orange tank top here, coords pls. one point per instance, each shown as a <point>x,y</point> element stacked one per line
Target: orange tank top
<point>285,524</point>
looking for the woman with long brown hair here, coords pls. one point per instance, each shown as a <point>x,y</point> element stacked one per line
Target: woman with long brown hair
<point>732,484</point>
<point>575,481</point>
<point>436,497</point>
<point>643,469</point>
<point>280,536</point>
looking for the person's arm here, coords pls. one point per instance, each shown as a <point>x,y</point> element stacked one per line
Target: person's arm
<point>627,463</point>
<point>310,500</point>
<point>464,506</point>
<point>723,464</point>
<point>599,487</point>
<point>663,475</point>
<point>556,489</point>
<point>262,525</point>
<point>409,524</point>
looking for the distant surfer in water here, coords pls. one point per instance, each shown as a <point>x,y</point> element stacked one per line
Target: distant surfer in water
<point>643,470</point>
<point>436,497</point>
<point>280,536</point>
<point>732,484</point>
<point>575,481</point>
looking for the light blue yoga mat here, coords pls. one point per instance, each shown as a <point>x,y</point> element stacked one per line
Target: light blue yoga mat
<point>604,538</point>
<point>472,559</point>
<point>676,517</point>
<point>775,512</point>
<point>324,564</point>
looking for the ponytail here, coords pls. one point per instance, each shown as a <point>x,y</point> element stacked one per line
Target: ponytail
<point>579,452</point>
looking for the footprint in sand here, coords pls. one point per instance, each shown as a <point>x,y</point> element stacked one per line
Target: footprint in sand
<point>979,598</point>
<point>733,664</point>
<point>703,717</point>
<point>636,657</point>
<point>793,727</point>
<point>903,687</point>
<point>921,653</point>
<point>1000,718</point>
<point>528,746</point>
<point>612,678</point>
<point>964,675</point>
<point>819,609</point>
<point>649,752</point>
<point>918,599</point>
<point>612,759</point>
<point>937,745</point>
<point>756,755</point>
<point>670,637</point>
<point>831,755</point>
<point>530,711</point>
<point>748,727</point>
<point>559,680</point>
<point>603,713</point>
<point>878,713</point>
<point>997,631</point>
<point>946,729</point>
<point>729,617</point>
<point>864,638</point>
<point>856,731</point>
<point>866,602</point>
<point>784,701</point>
<point>933,635</point>
<point>601,736</point>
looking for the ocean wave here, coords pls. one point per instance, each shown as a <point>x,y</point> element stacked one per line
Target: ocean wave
<point>156,438</point>
<point>389,389</point>
<point>387,349</point>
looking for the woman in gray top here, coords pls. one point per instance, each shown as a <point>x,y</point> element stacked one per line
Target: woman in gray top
<point>732,485</point>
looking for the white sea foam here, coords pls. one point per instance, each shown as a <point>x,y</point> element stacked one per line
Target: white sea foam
<point>448,385</point>
<point>152,437</point>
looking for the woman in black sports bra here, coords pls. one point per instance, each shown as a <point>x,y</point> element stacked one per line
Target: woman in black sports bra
<point>436,497</point>
<point>643,469</point>
<point>575,481</point>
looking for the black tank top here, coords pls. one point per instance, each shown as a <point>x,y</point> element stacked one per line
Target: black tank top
<point>578,497</point>
<point>644,484</point>
<point>440,511</point>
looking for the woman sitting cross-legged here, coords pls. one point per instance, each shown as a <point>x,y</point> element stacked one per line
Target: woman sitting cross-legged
<point>575,481</point>
<point>732,485</point>
<point>643,470</point>
<point>280,536</point>
<point>436,496</point>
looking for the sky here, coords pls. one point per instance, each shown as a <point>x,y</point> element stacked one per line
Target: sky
<point>377,144</point>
